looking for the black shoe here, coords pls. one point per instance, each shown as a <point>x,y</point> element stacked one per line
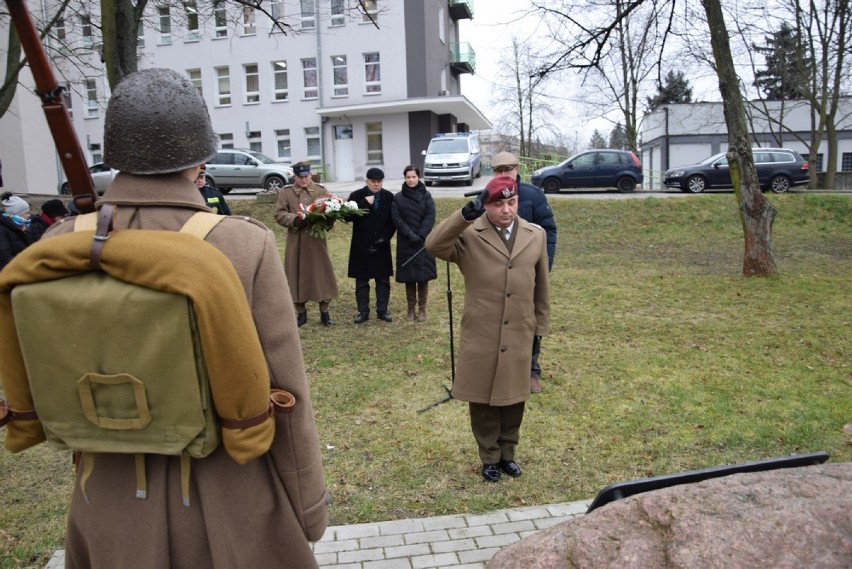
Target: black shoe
<point>384,316</point>
<point>490,472</point>
<point>361,318</point>
<point>325,318</point>
<point>510,467</point>
<point>301,318</point>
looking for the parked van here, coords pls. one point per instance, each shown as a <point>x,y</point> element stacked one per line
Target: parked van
<point>452,157</point>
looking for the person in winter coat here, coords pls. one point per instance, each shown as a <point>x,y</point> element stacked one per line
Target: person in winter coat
<point>14,227</point>
<point>504,262</point>
<point>532,206</point>
<point>369,250</point>
<point>306,259</point>
<point>413,216</point>
<point>51,212</point>
<point>262,513</point>
<point>212,196</point>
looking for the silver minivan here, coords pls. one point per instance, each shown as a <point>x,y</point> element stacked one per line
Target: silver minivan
<point>452,157</point>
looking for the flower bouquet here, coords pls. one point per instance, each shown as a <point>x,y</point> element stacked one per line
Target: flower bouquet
<point>323,212</point>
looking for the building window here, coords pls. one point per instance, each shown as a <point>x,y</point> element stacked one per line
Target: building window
<point>277,12</point>
<point>252,83</point>
<point>59,28</point>
<point>312,138</point>
<point>91,98</point>
<point>309,21</point>
<point>279,81</point>
<point>165,26</point>
<point>846,162</point>
<point>223,86</point>
<point>371,10</point>
<point>819,163</point>
<point>338,15</point>
<point>374,143</point>
<point>254,141</point>
<point>249,28</point>
<point>282,138</point>
<point>372,73</point>
<point>195,77</point>
<point>309,71</point>
<point>192,30</point>
<point>226,140</point>
<point>66,96</point>
<point>220,21</point>
<point>86,32</point>
<point>442,31</point>
<point>341,76</point>
<point>140,35</point>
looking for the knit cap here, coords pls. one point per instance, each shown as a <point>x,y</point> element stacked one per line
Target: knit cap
<point>13,205</point>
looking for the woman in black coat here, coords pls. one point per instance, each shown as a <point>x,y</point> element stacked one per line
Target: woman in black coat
<point>414,216</point>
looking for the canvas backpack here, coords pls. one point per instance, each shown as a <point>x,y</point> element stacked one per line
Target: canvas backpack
<point>115,366</point>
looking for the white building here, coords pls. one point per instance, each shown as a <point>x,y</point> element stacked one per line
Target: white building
<point>340,90</point>
<point>686,133</point>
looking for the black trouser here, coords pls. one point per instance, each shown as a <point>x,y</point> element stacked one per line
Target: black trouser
<point>362,294</point>
<point>535,370</point>
<point>496,430</point>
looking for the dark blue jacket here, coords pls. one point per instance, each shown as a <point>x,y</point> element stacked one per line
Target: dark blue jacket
<point>533,207</point>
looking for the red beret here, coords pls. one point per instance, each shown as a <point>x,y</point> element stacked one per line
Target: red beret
<point>501,188</point>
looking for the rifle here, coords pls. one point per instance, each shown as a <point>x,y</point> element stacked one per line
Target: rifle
<point>55,111</point>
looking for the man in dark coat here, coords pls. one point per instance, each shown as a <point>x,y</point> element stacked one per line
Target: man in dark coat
<point>51,212</point>
<point>504,262</point>
<point>369,251</point>
<point>533,207</point>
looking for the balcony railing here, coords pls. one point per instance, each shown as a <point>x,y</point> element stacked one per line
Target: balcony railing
<point>462,58</point>
<point>461,9</point>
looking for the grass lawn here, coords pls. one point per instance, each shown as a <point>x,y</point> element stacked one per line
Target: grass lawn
<point>661,358</point>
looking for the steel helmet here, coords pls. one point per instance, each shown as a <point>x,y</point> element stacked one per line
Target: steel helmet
<point>156,123</point>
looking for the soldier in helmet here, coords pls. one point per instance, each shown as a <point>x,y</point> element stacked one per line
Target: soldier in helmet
<point>262,513</point>
<point>306,259</point>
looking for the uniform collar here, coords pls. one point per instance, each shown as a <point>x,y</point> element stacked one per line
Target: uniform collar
<point>160,190</point>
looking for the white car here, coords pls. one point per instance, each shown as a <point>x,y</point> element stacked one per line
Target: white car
<point>101,175</point>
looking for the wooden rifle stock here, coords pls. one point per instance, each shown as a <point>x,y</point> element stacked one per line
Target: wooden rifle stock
<point>58,119</point>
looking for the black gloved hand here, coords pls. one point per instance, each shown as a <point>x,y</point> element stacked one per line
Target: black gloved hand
<point>299,222</point>
<point>372,249</point>
<point>475,207</point>
<point>415,239</point>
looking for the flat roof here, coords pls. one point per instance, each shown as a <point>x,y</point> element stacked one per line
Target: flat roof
<point>460,106</point>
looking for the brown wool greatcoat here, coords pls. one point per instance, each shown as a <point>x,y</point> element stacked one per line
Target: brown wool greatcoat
<point>259,514</point>
<point>506,302</point>
<point>306,261</point>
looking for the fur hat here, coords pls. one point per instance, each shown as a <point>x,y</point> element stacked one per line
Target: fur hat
<point>501,187</point>
<point>13,205</point>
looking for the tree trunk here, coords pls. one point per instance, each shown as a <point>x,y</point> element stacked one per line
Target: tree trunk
<point>119,25</point>
<point>756,213</point>
<point>10,81</point>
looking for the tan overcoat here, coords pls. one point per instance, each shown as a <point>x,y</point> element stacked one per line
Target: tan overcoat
<point>306,261</point>
<point>260,514</point>
<point>506,303</point>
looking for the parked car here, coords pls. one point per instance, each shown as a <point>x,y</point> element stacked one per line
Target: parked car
<point>238,168</point>
<point>101,175</point>
<point>619,169</point>
<point>778,169</point>
<point>452,157</point>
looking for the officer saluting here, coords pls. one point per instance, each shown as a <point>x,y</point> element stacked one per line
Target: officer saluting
<point>306,261</point>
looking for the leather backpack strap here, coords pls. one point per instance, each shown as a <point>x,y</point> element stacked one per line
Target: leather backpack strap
<point>106,216</point>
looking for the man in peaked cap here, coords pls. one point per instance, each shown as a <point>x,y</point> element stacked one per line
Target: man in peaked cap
<point>504,262</point>
<point>306,261</point>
